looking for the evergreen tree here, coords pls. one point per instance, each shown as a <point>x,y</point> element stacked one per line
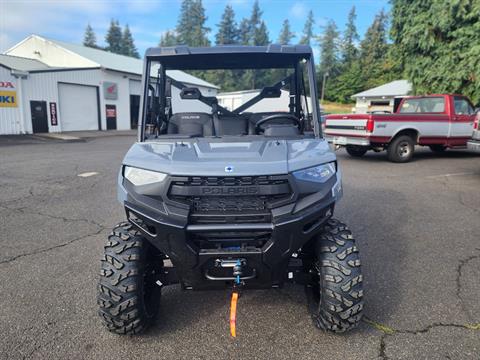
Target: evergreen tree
<point>350,37</point>
<point>261,35</point>
<point>329,48</point>
<point>308,29</point>
<point>329,64</point>
<point>128,44</point>
<point>373,52</point>
<point>436,43</point>
<point>228,32</point>
<point>255,20</point>
<point>200,31</point>
<point>191,29</point>
<point>90,39</point>
<point>168,39</point>
<point>286,35</point>
<point>244,32</point>
<point>184,27</point>
<point>114,37</point>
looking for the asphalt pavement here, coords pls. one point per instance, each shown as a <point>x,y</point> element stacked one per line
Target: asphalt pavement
<point>417,226</point>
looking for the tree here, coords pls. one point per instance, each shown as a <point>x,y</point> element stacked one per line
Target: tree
<point>308,29</point>
<point>90,39</point>
<point>350,37</point>
<point>329,48</point>
<point>329,54</point>
<point>114,37</point>
<point>168,39</point>
<point>373,52</point>
<point>128,44</point>
<point>244,32</point>
<point>191,29</point>
<point>286,35</point>
<point>228,32</point>
<point>436,43</point>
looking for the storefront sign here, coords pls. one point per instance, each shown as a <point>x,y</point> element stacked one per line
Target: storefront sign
<point>8,99</point>
<point>53,114</point>
<point>6,84</point>
<point>110,90</point>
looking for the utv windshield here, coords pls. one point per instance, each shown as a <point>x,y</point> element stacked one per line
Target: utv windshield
<point>217,96</point>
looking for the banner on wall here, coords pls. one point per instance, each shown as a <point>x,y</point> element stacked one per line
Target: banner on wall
<point>53,114</point>
<point>8,99</point>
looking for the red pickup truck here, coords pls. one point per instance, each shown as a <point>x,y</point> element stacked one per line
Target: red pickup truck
<point>438,121</point>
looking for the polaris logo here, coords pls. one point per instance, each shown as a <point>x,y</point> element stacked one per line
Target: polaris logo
<point>229,190</point>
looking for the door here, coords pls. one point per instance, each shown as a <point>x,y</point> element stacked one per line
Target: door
<point>111,114</point>
<point>39,116</point>
<point>78,106</point>
<point>461,126</point>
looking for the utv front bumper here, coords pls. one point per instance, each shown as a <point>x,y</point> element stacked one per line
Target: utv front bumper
<point>264,243</point>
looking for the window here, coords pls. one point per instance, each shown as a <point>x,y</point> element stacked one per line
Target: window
<point>463,106</point>
<point>380,103</point>
<point>423,105</point>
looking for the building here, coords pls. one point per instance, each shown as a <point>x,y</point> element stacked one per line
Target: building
<point>382,98</point>
<point>232,100</point>
<point>53,86</point>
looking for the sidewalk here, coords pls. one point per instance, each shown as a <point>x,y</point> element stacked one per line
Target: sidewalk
<point>70,136</point>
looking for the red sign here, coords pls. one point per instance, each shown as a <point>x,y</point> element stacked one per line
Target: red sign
<point>111,113</point>
<point>53,114</point>
<point>6,84</point>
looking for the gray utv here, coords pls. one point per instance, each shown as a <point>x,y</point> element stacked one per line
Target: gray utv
<point>220,192</point>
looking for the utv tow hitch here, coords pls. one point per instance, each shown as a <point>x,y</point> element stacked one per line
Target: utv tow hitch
<point>238,281</point>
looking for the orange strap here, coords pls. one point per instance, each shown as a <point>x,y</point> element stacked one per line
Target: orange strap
<point>233,314</point>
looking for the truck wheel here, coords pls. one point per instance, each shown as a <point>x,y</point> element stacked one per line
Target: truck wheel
<point>438,148</point>
<point>401,149</point>
<point>128,296</point>
<point>336,289</point>
<point>356,151</point>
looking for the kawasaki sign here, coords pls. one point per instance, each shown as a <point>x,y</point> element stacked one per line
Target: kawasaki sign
<point>7,98</point>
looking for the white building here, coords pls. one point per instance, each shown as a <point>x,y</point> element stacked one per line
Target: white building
<point>382,98</point>
<point>52,86</point>
<point>232,100</point>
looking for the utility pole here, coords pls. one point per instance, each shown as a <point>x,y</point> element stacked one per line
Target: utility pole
<point>325,75</point>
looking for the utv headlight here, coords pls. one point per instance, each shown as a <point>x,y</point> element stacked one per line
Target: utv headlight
<point>319,174</point>
<point>142,177</point>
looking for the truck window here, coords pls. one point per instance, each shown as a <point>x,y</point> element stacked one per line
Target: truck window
<point>463,106</point>
<point>423,105</point>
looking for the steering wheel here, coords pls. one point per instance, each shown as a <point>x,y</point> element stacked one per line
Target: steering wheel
<point>290,117</point>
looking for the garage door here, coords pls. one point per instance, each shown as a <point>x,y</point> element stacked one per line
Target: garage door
<point>78,107</point>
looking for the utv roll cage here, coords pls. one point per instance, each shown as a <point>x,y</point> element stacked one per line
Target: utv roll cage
<point>226,57</point>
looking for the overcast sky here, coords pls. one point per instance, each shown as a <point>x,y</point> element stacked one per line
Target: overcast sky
<point>148,19</point>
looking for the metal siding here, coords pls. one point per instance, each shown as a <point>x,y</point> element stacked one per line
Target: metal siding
<point>10,117</point>
<point>44,87</point>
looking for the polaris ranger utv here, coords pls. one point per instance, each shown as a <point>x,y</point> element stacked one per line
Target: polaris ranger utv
<point>221,192</point>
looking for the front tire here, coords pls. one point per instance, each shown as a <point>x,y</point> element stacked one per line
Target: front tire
<point>356,151</point>
<point>128,296</point>
<point>401,149</point>
<point>336,288</point>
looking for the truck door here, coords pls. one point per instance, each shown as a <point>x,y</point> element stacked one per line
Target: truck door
<point>461,124</point>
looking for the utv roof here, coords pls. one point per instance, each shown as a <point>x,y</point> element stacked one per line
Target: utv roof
<point>229,56</point>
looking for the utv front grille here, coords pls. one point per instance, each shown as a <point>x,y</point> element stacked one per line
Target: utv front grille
<point>244,199</point>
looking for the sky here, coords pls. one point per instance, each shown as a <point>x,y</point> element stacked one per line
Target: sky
<point>148,19</point>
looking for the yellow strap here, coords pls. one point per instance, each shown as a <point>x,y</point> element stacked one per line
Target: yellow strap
<point>233,314</point>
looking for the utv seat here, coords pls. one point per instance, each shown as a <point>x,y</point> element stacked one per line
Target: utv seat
<point>230,125</point>
<point>192,124</point>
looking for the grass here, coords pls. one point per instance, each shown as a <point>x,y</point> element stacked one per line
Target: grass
<point>337,108</point>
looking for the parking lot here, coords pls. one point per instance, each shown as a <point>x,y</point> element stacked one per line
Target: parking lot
<point>417,226</point>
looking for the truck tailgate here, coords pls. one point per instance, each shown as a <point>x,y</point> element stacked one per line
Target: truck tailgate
<point>341,127</point>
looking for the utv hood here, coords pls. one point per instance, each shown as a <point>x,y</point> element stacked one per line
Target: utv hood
<point>221,157</point>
